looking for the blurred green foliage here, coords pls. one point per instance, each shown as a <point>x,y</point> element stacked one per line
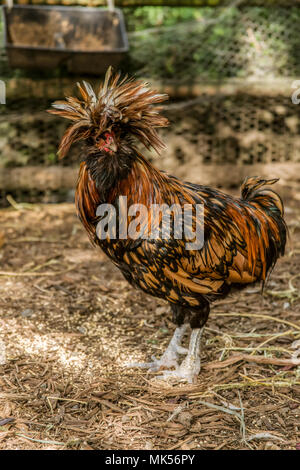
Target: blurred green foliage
<point>141,18</point>
<point>208,43</point>
<point>215,44</point>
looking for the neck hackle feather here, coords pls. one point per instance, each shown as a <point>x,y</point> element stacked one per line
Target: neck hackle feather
<point>121,104</point>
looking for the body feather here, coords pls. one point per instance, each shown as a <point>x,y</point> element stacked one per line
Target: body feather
<point>243,237</point>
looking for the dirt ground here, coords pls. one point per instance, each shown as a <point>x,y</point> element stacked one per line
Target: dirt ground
<point>69,323</point>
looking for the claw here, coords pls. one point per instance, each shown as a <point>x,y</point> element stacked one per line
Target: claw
<point>170,356</point>
<point>176,374</point>
<point>190,366</point>
<point>168,359</point>
<point>181,350</point>
<point>189,369</point>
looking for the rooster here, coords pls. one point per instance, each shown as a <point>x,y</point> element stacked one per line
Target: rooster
<point>242,237</point>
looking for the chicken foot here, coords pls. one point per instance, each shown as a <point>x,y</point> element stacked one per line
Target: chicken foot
<point>170,356</point>
<point>190,366</point>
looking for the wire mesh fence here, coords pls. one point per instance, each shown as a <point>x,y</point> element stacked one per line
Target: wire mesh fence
<point>252,52</point>
<point>222,43</point>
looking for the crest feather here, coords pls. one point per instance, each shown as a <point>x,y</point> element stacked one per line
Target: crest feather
<point>120,102</point>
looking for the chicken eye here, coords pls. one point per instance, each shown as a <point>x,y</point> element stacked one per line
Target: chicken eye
<point>99,138</point>
<point>108,138</point>
<point>99,141</point>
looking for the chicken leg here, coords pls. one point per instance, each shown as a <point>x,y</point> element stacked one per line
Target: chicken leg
<point>190,366</point>
<point>170,356</point>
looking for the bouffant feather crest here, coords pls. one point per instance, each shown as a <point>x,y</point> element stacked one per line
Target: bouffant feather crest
<point>121,103</point>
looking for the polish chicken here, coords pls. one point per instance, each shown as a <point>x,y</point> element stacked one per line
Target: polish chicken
<point>242,237</point>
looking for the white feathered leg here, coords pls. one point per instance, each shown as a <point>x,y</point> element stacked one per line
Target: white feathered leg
<point>190,366</point>
<point>170,356</point>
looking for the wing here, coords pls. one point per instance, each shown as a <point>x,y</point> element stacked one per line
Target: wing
<point>186,275</point>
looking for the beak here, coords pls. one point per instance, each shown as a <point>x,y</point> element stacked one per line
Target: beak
<point>113,147</point>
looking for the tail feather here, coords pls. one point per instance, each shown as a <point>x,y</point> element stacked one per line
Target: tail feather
<point>268,219</point>
<point>251,186</point>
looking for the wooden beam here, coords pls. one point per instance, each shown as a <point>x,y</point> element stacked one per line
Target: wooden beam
<point>38,178</point>
<point>56,178</point>
<point>57,88</point>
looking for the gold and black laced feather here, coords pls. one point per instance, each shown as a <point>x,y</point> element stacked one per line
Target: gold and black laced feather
<point>243,237</point>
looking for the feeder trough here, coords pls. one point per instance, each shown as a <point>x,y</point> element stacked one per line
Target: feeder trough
<point>82,40</point>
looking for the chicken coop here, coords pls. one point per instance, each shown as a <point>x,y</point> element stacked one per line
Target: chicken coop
<point>82,40</point>
<point>71,327</point>
<point>236,100</point>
